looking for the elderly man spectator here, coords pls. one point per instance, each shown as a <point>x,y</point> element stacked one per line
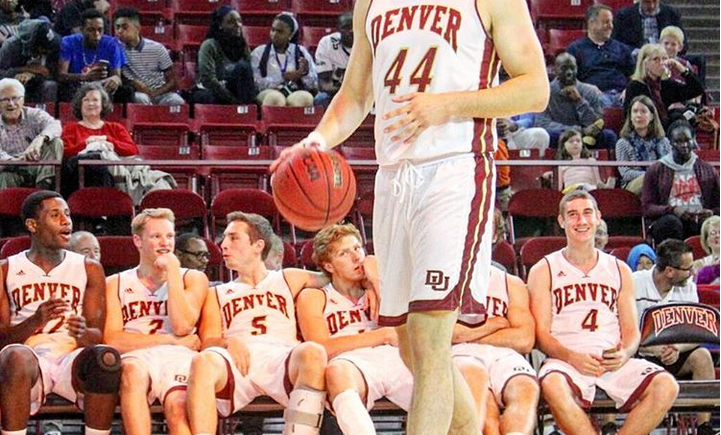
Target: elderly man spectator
<point>602,61</point>
<point>32,58</point>
<point>574,104</point>
<point>27,134</point>
<point>670,281</point>
<point>192,251</point>
<point>85,243</point>
<point>680,190</point>
<point>149,69</point>
<point>91,56</point>
<point>331,59</point>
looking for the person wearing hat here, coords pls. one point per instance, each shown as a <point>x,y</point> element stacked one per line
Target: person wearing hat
<point>284,70</point>
<point>32,58</point>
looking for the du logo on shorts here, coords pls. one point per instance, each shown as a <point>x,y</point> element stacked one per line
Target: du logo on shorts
<point>437,280</point>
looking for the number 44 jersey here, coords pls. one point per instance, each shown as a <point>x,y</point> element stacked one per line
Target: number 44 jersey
<point>432,47</point>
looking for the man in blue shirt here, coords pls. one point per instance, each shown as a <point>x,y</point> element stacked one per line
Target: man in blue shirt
<point>603,61</point>
<point>91,56</point>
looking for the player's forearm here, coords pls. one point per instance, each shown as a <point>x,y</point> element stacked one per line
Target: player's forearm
<point>20,332</point>
<point>92,336</point>
<point>464,334</point>
<point>552,347</point>
<point>181,313</point>
<point>214,342</point>
<point>519,339</point>
<point>343,116</point>
<point>338,345</point>
<point>127,341</point>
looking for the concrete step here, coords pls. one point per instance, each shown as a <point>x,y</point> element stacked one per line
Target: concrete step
<point>697,33</point>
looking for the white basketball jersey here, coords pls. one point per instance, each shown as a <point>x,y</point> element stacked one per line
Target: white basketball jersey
<point>144,311</point>
<point>496,300</point>
<point>584,306</point>
<point>262,313</point>
<point>28,286</point>
<point>343,316</point>
<point>436,46</point>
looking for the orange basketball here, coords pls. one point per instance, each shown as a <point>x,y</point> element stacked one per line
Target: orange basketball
<point>314,189</point>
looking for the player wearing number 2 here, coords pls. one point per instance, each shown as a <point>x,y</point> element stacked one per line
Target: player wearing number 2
<point>586,323</point>
<point>152,312</point>
<point>434,83</point>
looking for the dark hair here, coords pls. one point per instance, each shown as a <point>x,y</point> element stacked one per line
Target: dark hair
<point>182,241</point>
<point>129,13</point>
<point>291,22</point>
<point>680,123</point>
<point>258,229</point>
<point>594,10</point>
<point>561,153</point>
<point>91,14</point>
<point>234,48</point>
<point>669,253</point>
<point>77,102</point>
<point>33,202</point>
<point>655,128</point>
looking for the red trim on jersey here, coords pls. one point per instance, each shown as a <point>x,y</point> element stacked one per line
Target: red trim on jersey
<point>287,384</point>
<point>171,389</point>
<point>226,393</point>
<point>574,388</point>
<point>392,320</point>
<point>484,128</point>
<point>633,398</point>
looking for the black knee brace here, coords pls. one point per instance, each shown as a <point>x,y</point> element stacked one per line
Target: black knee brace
<point>98,367</point>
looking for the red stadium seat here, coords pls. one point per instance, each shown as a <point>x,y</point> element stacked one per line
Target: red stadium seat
<point>151,11</point>
<point>623,242</point>
<point>306,256</point>
<point>195,11</point>
<point>536,248</point>
<point>364,135</point>
<point>185,175</point>
<point>65,113</point>
<point>246,200</point>
<point>362,215</point>
<point>621,252</point>
<point>560,39</point>
<point>709,155</point>
<point>708,294</point>
<point>118,253</point>
<point>290,259</point>
<point>226,124</point>
<point>160,125</point>
<point>559,13</point>
<point>613,118</point>
<point>540,205</point>
<point>619,206</point>
<point>14,245</point>
<point>310,36</point>
<point>187,206</point>
<point>615,5</point>
<point>287,125</point>
<point>320,12</point>
<point>188,40</point>
<point>527,177</point>
<point>11,201</point>
<point>695,243</point>
<point>224,177</point>
<point>504,253</point>
<point>163,33</point>
<point>260,12</point>
<point>358,153</point>
<point>90,205</point>
<point>256,35</point>
<point>216,269</point>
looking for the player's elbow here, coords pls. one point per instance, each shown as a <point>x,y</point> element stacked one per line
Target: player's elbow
<point>524,345</point>
<point>182,328</point>
<point>538,98</point>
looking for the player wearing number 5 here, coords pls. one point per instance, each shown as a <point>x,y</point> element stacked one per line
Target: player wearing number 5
<point>152,312</point>
<point>434,84</point>
<point>586,323</point>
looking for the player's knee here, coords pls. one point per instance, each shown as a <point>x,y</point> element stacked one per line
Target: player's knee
<point>554,387</point>
<point>174,407</point>
<point>134,375</point>
<point>98,368</point>
<point>205,367</point>
<point>17,363</point>
<point>475,376</point>
<point>337,377</point>
<point>700,362</point>
<point>663,390</point>
<point>312,355</point>
<point>522,389</point>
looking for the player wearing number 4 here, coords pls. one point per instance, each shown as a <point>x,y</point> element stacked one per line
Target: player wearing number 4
<point>152,312</point>
<point>586,323</point>
<point>433,79</point>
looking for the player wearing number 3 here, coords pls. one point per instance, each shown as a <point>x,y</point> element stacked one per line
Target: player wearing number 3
<point>586,323</point>
<point>431,69</point>
<point>152,312</point>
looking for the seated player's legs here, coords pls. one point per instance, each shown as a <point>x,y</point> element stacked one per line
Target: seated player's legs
<point>476,377</point>
<point>515,386</point>
<point>347,394</point>
<point>21,385</point>
<point>306,373</point>
<point>135,396</point>
<point>567,393</point>
<point>175,411</point>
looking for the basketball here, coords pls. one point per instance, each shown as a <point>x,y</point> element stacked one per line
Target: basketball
<point>314,189</point>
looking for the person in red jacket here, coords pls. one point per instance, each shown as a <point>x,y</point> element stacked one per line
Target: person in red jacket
<point>680,190</point>
<point>91,137</point>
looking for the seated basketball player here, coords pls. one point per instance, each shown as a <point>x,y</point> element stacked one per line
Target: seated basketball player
<point>152,312</point>
<point>583,302</point>
<point>250,342</point>
<point>365,363</point>
<point>51,315</point>
<point>491,346</point>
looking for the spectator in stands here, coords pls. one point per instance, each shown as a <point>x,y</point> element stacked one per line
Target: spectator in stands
<point>284,70</point>
<point>571,147</point>
<point>652,78</point>
<point>642,140</point>
<point>85,243</point>
<point>224,72</point>
<point>331,59</point>
<point>641,23</point>
<point>87,138</point>
<point>601,239</point>
<point>32,58</point>
<point>672,39</point>
<point>192,251</point>
<point>641,257</point>
<point>709,243</point>
<point>574,104</point>
<point>10,18</point>
<point>27,134</point>
<point>669,281</point>
<point>520,134</point>
<point>37,8</point>
<point>708,275</point>
<point>69,19</point>
<point>274,260</point>
<point>149,69</point>
<point>680,190</point>
<point>603,61</point>
<point>91,56</point>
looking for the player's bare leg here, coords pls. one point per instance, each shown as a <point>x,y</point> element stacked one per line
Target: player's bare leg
<point>134,385</point>
<point>476,377</point>
<point>99,410</point>
<point>404,346</point>
<point>306,370</point>
<point>655,401</point>
<point>176,416</point>
<point>18,373</point>
<point>208,375</point>
<point>568,414</point>
<point>700,366</point>
<point>492,423</point>
<point>521,398</point>
<point>439,397</point>
<point>347,393</point>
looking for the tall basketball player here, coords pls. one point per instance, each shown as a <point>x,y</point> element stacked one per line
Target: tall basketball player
<point>52,310</point>
<point>434,84</point>
<point>586,323</point>
<point>152,312</point>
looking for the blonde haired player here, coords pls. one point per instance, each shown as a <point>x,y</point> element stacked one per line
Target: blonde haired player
<point>152,312</point>
<point>584,305</point>
<point>433,80</point>
<point>365,363</point>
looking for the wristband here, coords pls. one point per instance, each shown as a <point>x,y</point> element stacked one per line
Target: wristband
<point>315,138</point>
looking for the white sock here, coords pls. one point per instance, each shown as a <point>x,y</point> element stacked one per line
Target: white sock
<point>90,431</point>
<point>352,415</point>
<point>304,412</point>
<point>14,432</point>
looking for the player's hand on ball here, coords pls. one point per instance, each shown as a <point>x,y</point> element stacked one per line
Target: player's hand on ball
<point>240,354</point>
<point>312,140</point>
<point>76,326</point>
<point>420,111</point>
<point>50,310</point>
